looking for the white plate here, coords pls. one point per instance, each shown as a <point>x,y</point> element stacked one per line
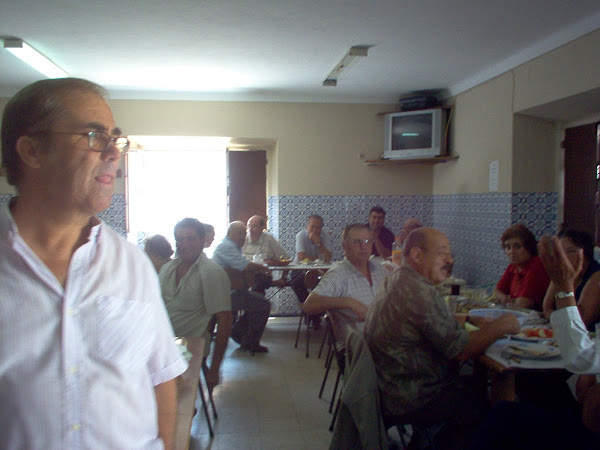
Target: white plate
<point>526,350</point>
<point>494,313</point>
<point>531,339</point>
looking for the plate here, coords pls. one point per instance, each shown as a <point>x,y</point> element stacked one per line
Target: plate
<point>527,350</point>
<point>494,313</point>
<point>520,337</point>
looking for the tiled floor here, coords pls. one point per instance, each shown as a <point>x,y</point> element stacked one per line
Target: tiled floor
<point>270,401</point>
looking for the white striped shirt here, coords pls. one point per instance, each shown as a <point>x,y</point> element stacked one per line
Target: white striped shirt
<point>78,365</point>
<point>344,280</point>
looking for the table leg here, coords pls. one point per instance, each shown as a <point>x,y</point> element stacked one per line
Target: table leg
<point>502,387</point>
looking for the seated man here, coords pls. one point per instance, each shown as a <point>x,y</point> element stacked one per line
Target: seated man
<point>383,238</point>
<point>259,242</point>
<point>311,244</point>
<point>414,339</point>
<point>409,224</point>
<point>247,329</point>
<point>349,288</point>
<point>194,289</point>
<point>158,250</point>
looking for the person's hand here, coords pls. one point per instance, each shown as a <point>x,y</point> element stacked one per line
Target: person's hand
<point>280,282</point>
<point>212,378</point>
<point>560,270</point>
<point>314,237</point>
<point>360,309</point>
<point>507,323</point>
<point>501,298</point>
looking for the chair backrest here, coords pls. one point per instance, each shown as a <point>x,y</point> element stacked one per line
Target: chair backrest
<point>240,280</point>
<point>360,409</point>
<point>312,278</point>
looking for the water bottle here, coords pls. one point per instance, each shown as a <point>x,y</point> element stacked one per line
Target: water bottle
<point>397,251</point>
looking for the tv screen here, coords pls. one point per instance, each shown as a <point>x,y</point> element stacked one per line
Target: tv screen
<point>411,132</point>
<point>415,134</point>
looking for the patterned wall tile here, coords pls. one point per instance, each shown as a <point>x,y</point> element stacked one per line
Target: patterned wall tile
<point>116,214</point>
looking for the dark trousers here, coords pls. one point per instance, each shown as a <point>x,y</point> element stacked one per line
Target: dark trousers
<point>249,327</point>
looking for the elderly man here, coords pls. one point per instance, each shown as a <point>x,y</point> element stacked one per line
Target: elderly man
<point>311,243</point>
<point>259,242</point>
<point>87,355</point>
<point>349,288</point>
<point>414,338</point>
<point>159,250</point>
<point>409,224</point>
<point>249,328</point>
<point>194,289</point>
<point>383,238</point>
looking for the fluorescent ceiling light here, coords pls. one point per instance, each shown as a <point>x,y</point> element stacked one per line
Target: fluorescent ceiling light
<point>343,67</point>
<point>39,62</point>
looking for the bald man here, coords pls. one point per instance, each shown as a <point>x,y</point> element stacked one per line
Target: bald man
<point>415,340</point>
<point>248,328</point>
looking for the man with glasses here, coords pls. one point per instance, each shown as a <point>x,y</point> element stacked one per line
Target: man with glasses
<point>87,356</point>
<point>416,342</point>
<point>348,289</point>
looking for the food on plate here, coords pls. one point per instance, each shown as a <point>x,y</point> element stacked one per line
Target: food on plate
<point>536,332</point>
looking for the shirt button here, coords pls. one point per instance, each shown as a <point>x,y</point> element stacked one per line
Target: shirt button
<point>71,312</point>
<point>74,427</point>
<point>73,370</point>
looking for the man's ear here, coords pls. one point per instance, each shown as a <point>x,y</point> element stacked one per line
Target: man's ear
<point>29,151</point>
<point>416,254</point>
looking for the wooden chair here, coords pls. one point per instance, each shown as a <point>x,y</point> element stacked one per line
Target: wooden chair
<point>311,279</point>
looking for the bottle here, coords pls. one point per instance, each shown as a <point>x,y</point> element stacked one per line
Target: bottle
<point>397,251</point>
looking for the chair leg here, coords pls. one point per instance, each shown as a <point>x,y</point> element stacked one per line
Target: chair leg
<point>325,336</point>
<point>337,408</point>
<point>327,368</point>
<point>205,407</point>
<point>337,382</point>
<point>307,335</point>
<point>298,331</point>
<point>210,396</point>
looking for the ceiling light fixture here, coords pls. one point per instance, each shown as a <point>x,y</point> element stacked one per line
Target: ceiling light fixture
<point>39,62</point>
<point>343,67</point>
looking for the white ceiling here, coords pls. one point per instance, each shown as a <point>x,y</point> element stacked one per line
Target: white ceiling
<point>278,50</point>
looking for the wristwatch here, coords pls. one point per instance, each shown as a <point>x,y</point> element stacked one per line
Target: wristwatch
<point>561,295</point>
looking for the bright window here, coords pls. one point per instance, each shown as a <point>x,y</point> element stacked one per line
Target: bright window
<point>173,178</point>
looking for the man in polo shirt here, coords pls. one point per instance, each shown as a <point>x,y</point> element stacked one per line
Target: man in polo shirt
<point>247,329</point>
<point>87,355</point>
<point>194,289</point>
<point>348,289</point>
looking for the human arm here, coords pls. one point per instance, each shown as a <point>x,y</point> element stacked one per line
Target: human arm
<point>224,321</point>
<point>489,333</point>
<point>166,402</point>
<point>382,250</point>
<point>317,304</point>
<point>591,409</point>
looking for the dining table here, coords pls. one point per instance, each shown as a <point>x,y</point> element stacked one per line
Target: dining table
<point>501,366</point>
<point>187,391</point>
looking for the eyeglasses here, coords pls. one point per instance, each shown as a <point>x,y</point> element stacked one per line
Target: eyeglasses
<point>358,242</point>
<point>98,141</point>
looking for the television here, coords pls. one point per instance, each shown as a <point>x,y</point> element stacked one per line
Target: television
<point>415,134</point>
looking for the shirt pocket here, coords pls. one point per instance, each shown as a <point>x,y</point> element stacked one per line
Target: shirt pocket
<point>123,332</point>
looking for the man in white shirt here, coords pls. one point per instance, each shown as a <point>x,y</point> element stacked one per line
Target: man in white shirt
<point>87,356</point>
<point>348,289</point>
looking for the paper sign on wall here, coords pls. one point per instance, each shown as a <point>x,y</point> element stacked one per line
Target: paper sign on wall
<point>494,176</point>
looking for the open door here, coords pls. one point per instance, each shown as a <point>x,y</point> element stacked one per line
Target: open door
<point>581,179</point>
<point>246,184</point>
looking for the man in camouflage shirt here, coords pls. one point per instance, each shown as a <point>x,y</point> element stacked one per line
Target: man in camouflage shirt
<point>416,341</point>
